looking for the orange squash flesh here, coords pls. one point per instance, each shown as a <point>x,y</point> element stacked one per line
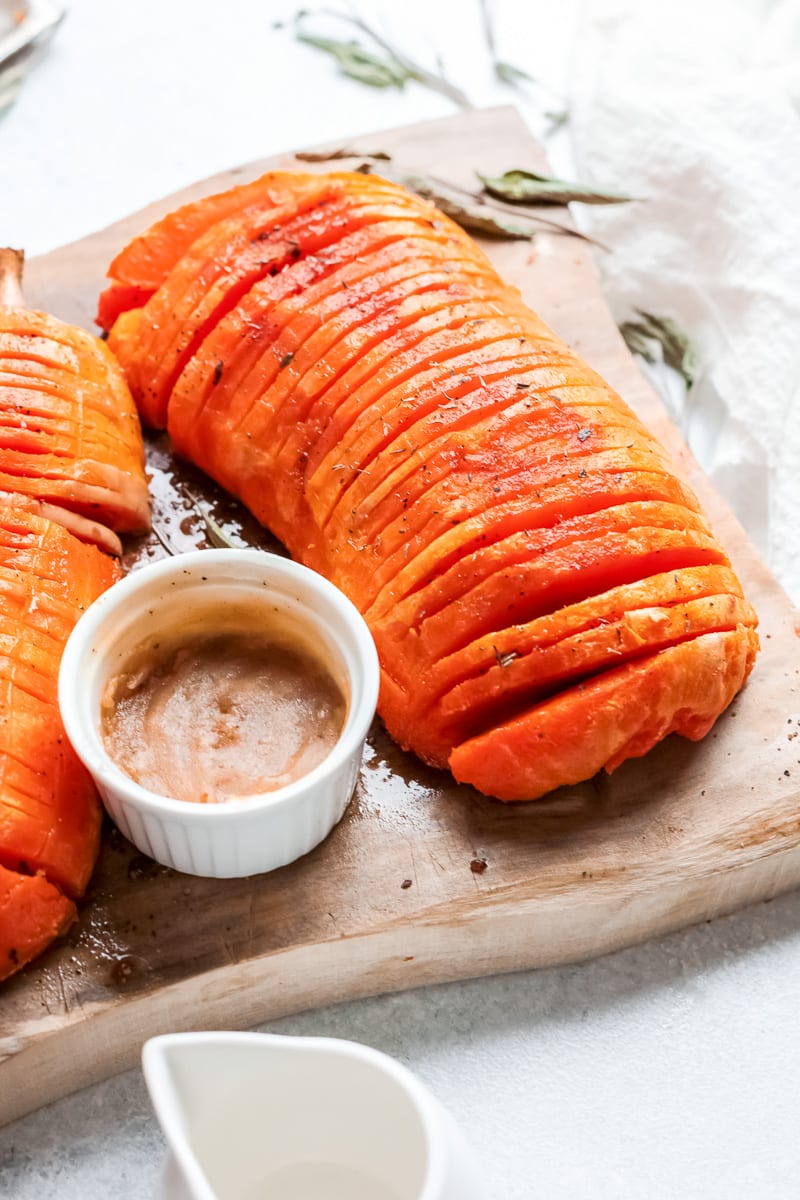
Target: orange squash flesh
<point>258,445</point>
<point>445,476</point>
<point>401,429</point>
<point>616,715</point>
<point>475,656</point>
<point>105,417</point>
<point>69,431</point>
<point>479,555</point>
<point>32,913</point>
<point>517,680</point>
<point>434,449</point>
<point>487,567</point>
<point>494,587</point>
<point>29,428</point>
<point>413,295</point>
<point>439,415</point>
<point>390,241</point>
<point>144,264</point>
<point>217,271</point>
<point>270,420</point>
<point>567,575</point>
<point>437,400</point>
<point>49,811</point>
<point>119,298</point>
<point>235,363</point>
<point>395,341</point>
<point>71,469</point>
<point>30,335</point>
<point>310,317</point>
<point>640,631</point>
<point>448,539</point>
<point>83,528</point>
<point>385,365</point>
<point>253,325</point>
<point>447,505</point>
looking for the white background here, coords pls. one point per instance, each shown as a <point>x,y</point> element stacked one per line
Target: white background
<point>670,1070</point>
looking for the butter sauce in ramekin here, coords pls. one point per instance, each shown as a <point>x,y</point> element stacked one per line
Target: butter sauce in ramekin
<point>210,593</point>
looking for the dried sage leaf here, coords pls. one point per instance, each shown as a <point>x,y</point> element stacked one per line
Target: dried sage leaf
<point>637,341</point>
<point>473,216</point>
<point>314,156</point>
<point>557,119</point>
<point>528,187</point>
<point>473,210</point>
<point>479,219</point>
<point>217,537</point>
<point>677,350</point>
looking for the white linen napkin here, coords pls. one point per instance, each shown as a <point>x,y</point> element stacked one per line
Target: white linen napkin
<point>696,106</point>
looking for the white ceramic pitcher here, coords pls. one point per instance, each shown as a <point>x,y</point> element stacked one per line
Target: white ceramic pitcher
<point>252,1116</point>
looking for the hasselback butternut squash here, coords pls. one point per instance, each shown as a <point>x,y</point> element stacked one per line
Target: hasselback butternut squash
<point>544,590</point>
<point>71,478</point>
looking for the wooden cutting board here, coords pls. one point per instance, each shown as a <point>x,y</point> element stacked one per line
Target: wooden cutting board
<point>423,881</point>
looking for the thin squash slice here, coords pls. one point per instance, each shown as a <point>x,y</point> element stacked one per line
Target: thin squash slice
<point>402,341</point>
<point>454,496</point>
<point>546,595</point>
<point>309,386</point>
<point>142,266</point>
<point>223,265</point>
<point>236,363</point>
<point>69,431</point>
<point>32,913</point>
<point>433,426</point>
<point>517,678</point>
<point>621,713</point>
<point>460,658</point>
<point>441,545</point>
<point>419,292</point>
<point>49,810</point>
<point>454,616</point>
<point>227,371</point>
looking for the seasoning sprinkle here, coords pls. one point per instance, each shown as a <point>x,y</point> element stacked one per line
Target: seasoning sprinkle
<point>505,659</point>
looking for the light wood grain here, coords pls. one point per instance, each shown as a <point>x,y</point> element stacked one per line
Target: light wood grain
<point>688,833</point>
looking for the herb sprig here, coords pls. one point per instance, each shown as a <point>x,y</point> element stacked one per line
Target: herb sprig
<point>529,187</point>
<point>476,211</point>
<point>504,71</point>
<point>391,67</point>
<point>676,348</point>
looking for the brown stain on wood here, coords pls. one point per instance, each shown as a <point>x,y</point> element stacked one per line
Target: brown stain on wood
<point>690,832</point>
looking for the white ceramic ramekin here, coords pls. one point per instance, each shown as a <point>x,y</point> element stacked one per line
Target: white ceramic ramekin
<point>256,833</point>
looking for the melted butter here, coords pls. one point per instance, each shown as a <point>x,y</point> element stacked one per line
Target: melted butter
<point>214,717</point>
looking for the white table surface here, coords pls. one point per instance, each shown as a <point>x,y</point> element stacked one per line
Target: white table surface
<point>668,1070</point>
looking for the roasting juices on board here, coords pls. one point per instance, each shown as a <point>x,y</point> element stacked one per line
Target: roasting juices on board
<point>544,590</point>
